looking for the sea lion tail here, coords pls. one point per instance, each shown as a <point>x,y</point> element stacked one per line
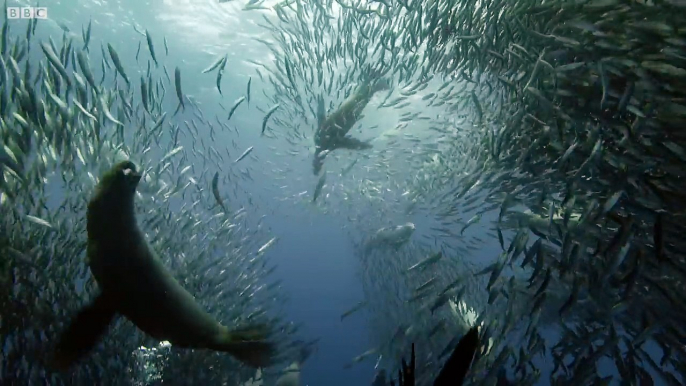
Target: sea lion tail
<point>83,332</point>
<point>318,161</point>
<point>249,345</point>
<point>381,85</point>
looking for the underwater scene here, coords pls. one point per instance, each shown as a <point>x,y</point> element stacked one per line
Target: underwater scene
<point>343,192</point>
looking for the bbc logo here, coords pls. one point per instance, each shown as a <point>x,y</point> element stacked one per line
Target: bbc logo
<point>27,13</point>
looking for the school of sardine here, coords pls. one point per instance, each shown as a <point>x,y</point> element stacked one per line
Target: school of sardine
<point>527,176</point>
<point>62,125</point>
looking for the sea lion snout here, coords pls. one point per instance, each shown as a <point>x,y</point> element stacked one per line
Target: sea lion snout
<point>132,176</point>
<point>130,173</point>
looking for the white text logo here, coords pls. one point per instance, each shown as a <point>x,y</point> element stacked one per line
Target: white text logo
<point>27,13</point>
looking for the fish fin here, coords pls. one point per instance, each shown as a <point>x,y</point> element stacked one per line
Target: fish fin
<point>249,345</point>
<point>352,143</point>
<point>456,367</point>
<point>304,354</point>
<point>83,332</point>
<point>321,111</point>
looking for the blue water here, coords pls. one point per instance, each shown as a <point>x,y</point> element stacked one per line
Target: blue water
<point>318,269</point>
<point>316,261</point>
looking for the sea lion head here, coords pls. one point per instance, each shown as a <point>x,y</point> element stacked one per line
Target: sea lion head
<point>123,176</point>
<point>120,181</point>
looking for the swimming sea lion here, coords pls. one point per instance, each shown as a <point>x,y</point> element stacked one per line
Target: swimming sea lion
<point>332,130</point>
<point>291,374</point>
<point>394,237</point>
<point>257,380</point>
<point>133,282</point>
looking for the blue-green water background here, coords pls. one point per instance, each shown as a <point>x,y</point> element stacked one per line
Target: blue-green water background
<point>315,260</point>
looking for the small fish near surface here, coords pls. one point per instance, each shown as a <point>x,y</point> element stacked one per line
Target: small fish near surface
<point>354,309</point>
<point>266,118</point>
<point>221,60</point>
<point>179,92</point>
<point>235,106</point>
<point>220,73</point>
<point>247,91</point>
<point>471,222</point>
<point>151,47</point>
<point>215,192</point>
<point>117,63</point>
<point>428,261</point>
<point>245,154</point>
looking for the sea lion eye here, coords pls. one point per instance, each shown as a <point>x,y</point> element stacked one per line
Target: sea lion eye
<point>128,168</point>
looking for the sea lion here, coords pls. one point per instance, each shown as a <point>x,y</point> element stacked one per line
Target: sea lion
<point>257,380</point>
<point>332,130</point>
<point>134,283</point>
<point>380,378</point>
<point>291,374</point>
<point>394,237</point>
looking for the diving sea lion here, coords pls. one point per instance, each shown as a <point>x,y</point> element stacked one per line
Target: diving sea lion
<point>394,237</point>
<point>291,374</point>
<point>332,130</point>
<point>133,282</point>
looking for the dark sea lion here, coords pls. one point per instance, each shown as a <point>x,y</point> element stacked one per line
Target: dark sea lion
<point>291,374</point>
<point>332,130</point>
<point>134,283</point>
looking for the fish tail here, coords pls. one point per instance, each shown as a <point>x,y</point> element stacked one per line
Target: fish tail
<point>249,345</point>
<point>178,108</point>
<point>83,332</point>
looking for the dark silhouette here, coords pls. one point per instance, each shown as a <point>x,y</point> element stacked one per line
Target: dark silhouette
<point>455,369</point>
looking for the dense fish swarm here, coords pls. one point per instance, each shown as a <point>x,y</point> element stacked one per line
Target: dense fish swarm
<point>559,125</point>
<point>535,147</point>
<point>61,125</point>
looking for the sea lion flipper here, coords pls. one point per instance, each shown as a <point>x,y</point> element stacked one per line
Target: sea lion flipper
<point>83,332</point>
<point>249,345</point>
<point>352,143</point>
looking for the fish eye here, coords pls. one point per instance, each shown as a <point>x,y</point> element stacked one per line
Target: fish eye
<point>127,171</point>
